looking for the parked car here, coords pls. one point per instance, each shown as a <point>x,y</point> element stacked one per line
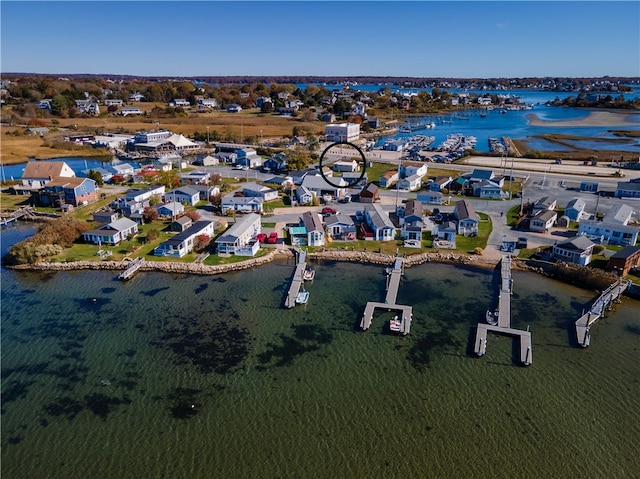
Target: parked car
<point>262,237</point>
<point>521,243</point>
<point>273,238</point>
<point>328,211</point>
<point>345,199</point>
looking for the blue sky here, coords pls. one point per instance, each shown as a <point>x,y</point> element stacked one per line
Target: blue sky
<point>417,38</point>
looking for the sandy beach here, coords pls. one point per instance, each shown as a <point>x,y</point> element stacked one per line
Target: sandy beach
<point>595,118</point>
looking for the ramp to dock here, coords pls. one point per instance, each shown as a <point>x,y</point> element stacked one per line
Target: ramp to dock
<point>131,269</point>
<point>597,310</point>
<point>297,279</point>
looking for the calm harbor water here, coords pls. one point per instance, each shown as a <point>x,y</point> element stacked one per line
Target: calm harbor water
<point>187,376</point>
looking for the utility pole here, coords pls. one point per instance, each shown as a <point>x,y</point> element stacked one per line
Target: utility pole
<point>207,135</point>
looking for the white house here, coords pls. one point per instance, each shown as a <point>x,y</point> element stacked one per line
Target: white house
<point>342,132</point>
<point>346,166</point>
<point>576,250</point>
<point>303,195</point>
<point>139,195</point>
<point>112,233</point>
<point>264,192</point>
<point>315,230</point>
<point>179,102</point>
<point>318,186</point>
<point>467,218</point>
<point>609,232</point>
<point>388,179</point>
<point>184,242</point>
<point>379,222</point>
<point>619,214</point>
<point>241,204</point>
<point>37,174</point>
<point>240,238</point>
<point>340,227</point>
<point>130,110</point>
<point>410,183</point>
<point>543,221</point>
<point>411,168</point>
<point>184,194</point>
<point>430,197</point>
<point>248,157</point>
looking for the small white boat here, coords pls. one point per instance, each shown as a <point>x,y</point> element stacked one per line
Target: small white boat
<point>309,274</point>
<point>395,325</point>
<point>492,317</point>
<point>302,297</point>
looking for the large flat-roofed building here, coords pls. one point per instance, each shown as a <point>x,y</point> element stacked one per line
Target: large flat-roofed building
<point>342,132</point>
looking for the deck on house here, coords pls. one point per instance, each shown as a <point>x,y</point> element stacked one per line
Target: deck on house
<point>393,284</point>
<point>597,310</point>
<point>504,318</point>
<point>297,279</point>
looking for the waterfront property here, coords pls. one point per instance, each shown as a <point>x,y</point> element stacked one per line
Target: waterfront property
<point>576,250</point>
<point>112,233</point>
<point>340,227</point>
<point>185,241</point>
<point>67,191</point>
<point>379,223</point>
<point>239,239</point>
<point>624,260</point>
<point>609,232</point>
<point>467,218</point>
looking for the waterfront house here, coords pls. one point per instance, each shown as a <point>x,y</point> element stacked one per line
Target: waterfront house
<point>241,204</point>
<point>543,220</point>
<point>609,232</point>
<point>446,233</point>
<point>575,209</point>
<point>628,189</point>
<point>577,250</point>
<point>369,194</point>
<point>340,227</point>
<point>69,191</point>
<point>388,179</point>
<point>378,221</point>
<point>430,197</point>
<point>240,239</point>
<point>467,218</point>
<point>312,223</point>
<point>624,260</point>
<point>112,233</point>
<point>170,209</point>
<point>183,243</point>
<point>411,220</point>
<point>184,194</point>
<point>36,174</point>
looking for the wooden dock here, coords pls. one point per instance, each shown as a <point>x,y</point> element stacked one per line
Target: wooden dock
<point>7,219</point>
<point>393,284</point>
<point>297,279</point>
<point>504,318</point>
<point>597,310</point>
<point>526,351</point>
<point>131,269</point>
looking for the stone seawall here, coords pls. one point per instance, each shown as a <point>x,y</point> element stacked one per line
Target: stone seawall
<point>411,260</point>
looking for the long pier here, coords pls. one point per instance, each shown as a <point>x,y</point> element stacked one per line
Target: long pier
<point>131,269</point>
<point>597,310</point>
<point>297,279</point>
<point>393,284</point>
<point>504,318</point>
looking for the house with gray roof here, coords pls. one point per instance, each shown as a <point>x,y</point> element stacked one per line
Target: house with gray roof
<point>577,250</point>
<point>111,233</point>
<point>170,209</point>
<point>575,209</point>
<point>609,232</point>
<point>467,218</point>
<point>340,227</point>
<point>184,194</point>
<point>183,243</point>
<point>260,191</point>
<point>303,195</point>
<point>312,223</point>
<point>629,189</point>
<point>240,238</point>
<point>619,214</point>
<point>241,204</point>
<point>379,223</point>
<point>543,220</point>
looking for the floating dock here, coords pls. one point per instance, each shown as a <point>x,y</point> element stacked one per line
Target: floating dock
<point>131,269</point>
<point>297,279</point>
<point>597,310</point>
<point>504,318</point>
<point>393,284</point>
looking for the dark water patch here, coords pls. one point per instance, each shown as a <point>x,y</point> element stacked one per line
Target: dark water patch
<point>153,292</point>
<point>28,369</point>
<point>185,403</point>
<point>129,353</point>
<point>76,355</point>
<point>632,328</point>
<point>101,405</point>
<point>211,346</point>
<point>65,406</point>
<point>15,440</point>
<point>202,287</point>
<point>13,391</point>
<point>219,279</point>
<point>312,332</point>
<point>93,304</point>
<point>285,352</point>
<point>108,290</point>
<point>420,354</point>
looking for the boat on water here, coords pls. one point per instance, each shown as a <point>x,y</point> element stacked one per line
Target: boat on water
<point>492,317</point>
<point>395,324</point>
<point>309,274</point>
<point>302,297</point>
